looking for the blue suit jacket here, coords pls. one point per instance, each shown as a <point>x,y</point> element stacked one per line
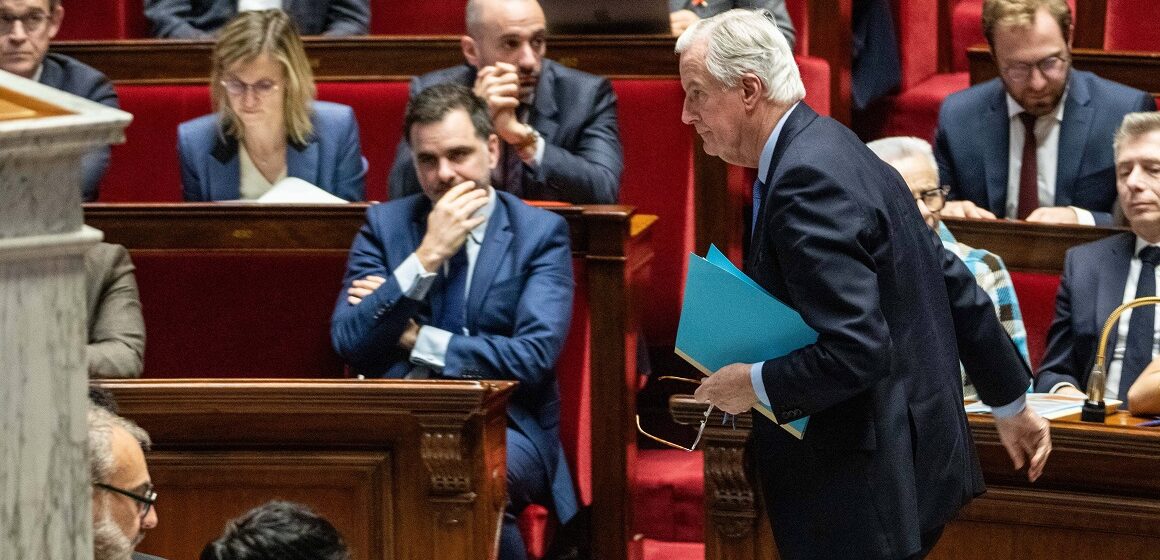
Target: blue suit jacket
<point>201,19</point>
<point>518,312</point>
<point>574,111</point>
<point>332,158</point>
<point>888,454</point>
<point>1092,285</point>
<point>69,74</point>
<point>971,144</point>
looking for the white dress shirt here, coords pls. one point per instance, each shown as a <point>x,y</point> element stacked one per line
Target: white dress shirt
<point>249,5</point>
<point>1046,156</point>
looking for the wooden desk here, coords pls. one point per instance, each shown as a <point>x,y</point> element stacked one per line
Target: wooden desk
<point>1099,496</point>
<point>404,469</point>
<point>1026,246</point>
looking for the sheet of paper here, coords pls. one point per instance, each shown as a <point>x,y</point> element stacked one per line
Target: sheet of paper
<point>295,190</point>
<point>1050,406</point>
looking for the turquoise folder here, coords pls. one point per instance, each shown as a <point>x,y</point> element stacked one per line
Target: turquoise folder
<point>728,318</point>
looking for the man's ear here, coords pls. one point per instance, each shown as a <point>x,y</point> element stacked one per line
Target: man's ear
<point>752,90</point>
<point>493,151</point>
<point>54,23</point>
<point>470,50</point>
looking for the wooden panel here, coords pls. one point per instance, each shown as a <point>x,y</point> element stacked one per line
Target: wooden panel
<point>1026,246</point>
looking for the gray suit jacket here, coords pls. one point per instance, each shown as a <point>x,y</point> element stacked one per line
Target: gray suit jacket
<point>116,345</point>
<point>713,7</point>
<point>200,19</point>
<point>73,76</point>
<point>575,112</point>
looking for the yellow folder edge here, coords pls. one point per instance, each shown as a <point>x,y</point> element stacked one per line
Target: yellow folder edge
<point>760,408</point>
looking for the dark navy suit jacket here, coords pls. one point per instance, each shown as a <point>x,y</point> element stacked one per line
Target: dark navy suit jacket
<point>519,308</point>
<point>69,74</point>
<point>971,144</point>
<point>331,160</point>
<point>887,454</point>
<point>574,111</point>
<point>201,19</point>
<point>1092,285</point>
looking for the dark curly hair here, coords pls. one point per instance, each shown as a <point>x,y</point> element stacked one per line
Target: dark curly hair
<point>278,530</point>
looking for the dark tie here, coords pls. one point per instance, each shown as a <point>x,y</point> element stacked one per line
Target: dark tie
<point>453,313</point>
<point>758,192</point>
<point>1029,171</point>
<point>1141,326</point>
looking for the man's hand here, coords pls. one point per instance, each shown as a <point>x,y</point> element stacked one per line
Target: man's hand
<point>680,20</point>
<point>1053,215</point>
<point>449,222</point>
<point>1027,439</point>
<point>729,389</point>
<point>499,87</point>
<point>964,209</point>
<point>360,289</point>
<point>409,336</point>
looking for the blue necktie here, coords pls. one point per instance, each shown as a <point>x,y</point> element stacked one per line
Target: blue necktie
<point>758,192</point>
<point>453,313</point>
<point>1141,326</point>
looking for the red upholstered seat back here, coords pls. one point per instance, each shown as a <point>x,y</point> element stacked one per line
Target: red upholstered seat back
<point>107,19</point>
<point>1131,25</point>
<point>218,314</point>
<point>1036,293</point>
<point>799,14</point>
<point>916,23</point>
<point>966,31</point>
<point>429,17</point>
<point>379,107</point>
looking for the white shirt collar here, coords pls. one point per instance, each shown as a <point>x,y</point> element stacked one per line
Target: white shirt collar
<point>39,71</point>
<point>1014,108</point>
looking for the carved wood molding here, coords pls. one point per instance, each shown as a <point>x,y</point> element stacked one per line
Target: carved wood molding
<point>448,460</point>
<point>729,491</point>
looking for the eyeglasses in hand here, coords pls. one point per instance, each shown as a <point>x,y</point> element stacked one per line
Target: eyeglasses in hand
<point>700,429</point>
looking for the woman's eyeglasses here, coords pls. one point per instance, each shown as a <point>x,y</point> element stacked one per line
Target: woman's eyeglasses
<point>238,88</point>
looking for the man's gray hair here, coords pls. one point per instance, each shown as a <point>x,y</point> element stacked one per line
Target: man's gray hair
<point>102,465</point>
<point>1134,126</point>
<point>896,148</point>
<point>740,41</point>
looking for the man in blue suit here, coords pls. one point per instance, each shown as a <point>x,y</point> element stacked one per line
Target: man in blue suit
<point>887,456</point>
<point>25,34</point>
<point>1034,143</point>
<point>421,270</point>
<point>557,126</point>
<point>201,19</point>
<point>1099,276</point>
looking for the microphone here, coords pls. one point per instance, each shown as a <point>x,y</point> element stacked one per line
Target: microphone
<point>1093,407</point>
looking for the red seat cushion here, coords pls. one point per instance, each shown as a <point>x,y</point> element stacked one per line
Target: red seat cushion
<point>1036,293</point>
<point>914,112</point>
<point>116,19</point>
<point>378,107</point>
<point>669,495</point>
<point>651,549</point>
<point>1130,25</point>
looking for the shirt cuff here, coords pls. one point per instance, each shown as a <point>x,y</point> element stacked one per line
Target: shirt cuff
<point>431,347</point>
<point>414,281</point>
<point>759,384</point>
<point>1010,409</point>
<point>1084,217</point>
<point>1055,388</point>
<point>538,156</point>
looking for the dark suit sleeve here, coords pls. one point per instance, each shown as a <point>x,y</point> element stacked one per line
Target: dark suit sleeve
<point>989,355</point>
<point>95,162</point>
<point>117,330</point>
<point>351,167</point>
<point>169,19</point>
<point>780,16</point>
<point>403,180</point>
<point>348,17</point>
<point>542,316</point>
<point>366,335</point>
<point>1059,360</point>
<point>946,161</point>
<point>589,174</point>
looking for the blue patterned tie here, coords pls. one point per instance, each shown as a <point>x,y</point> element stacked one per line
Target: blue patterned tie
<point>453,313</point>
<point>758,192</point>
<point>1141,326</point>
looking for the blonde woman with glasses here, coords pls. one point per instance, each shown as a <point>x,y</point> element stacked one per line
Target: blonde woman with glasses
<point>267,126</point>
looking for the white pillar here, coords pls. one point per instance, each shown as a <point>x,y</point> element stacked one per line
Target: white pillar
<point>44,482</point>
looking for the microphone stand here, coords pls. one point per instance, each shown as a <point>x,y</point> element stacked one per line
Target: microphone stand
<point>1093,407</point>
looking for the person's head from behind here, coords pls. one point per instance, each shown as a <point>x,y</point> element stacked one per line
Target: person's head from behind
<point>278,531</point>
<point>1031,44</point>
<point>1137,151</point>
<point>451,139</point>
<point>123,494</point>
<point>26,27</point>
<point>914,160</point>
<point>261,77</point>
<point>510,31</point>
<point>738,74</point>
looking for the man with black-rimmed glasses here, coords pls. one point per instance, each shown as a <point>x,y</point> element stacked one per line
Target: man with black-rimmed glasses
<point>123,495</point>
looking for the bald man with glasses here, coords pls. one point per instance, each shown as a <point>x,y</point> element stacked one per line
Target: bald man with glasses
<point>123,495</point>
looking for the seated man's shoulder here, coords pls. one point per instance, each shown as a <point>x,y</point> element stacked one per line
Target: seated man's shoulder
<point>972,99</point>
<point>1099,251</point>
<point>462,74</point>
<point>69,74</point>
<point>571,81</point>
<point>1110,92</point>
<point>524,212</point>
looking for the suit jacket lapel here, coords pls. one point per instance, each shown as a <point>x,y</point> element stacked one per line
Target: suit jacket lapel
<point>1073,135</point>
<point>1111,280</point>
<point>302,161</point>
<point>996,157</point>
<point>225,175</point>
<point>544,108</point>
<point>496,240</point>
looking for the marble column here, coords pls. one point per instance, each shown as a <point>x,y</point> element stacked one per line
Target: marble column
<point>44,480</point>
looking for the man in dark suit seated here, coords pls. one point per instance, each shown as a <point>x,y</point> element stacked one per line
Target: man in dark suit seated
<point>464,281</point>
<point>201,19</point>
<point>1035,143</point>
<point>1101,275</point>
<point>27,27</point>
<point>123,495</point>
<point>557,127</point>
